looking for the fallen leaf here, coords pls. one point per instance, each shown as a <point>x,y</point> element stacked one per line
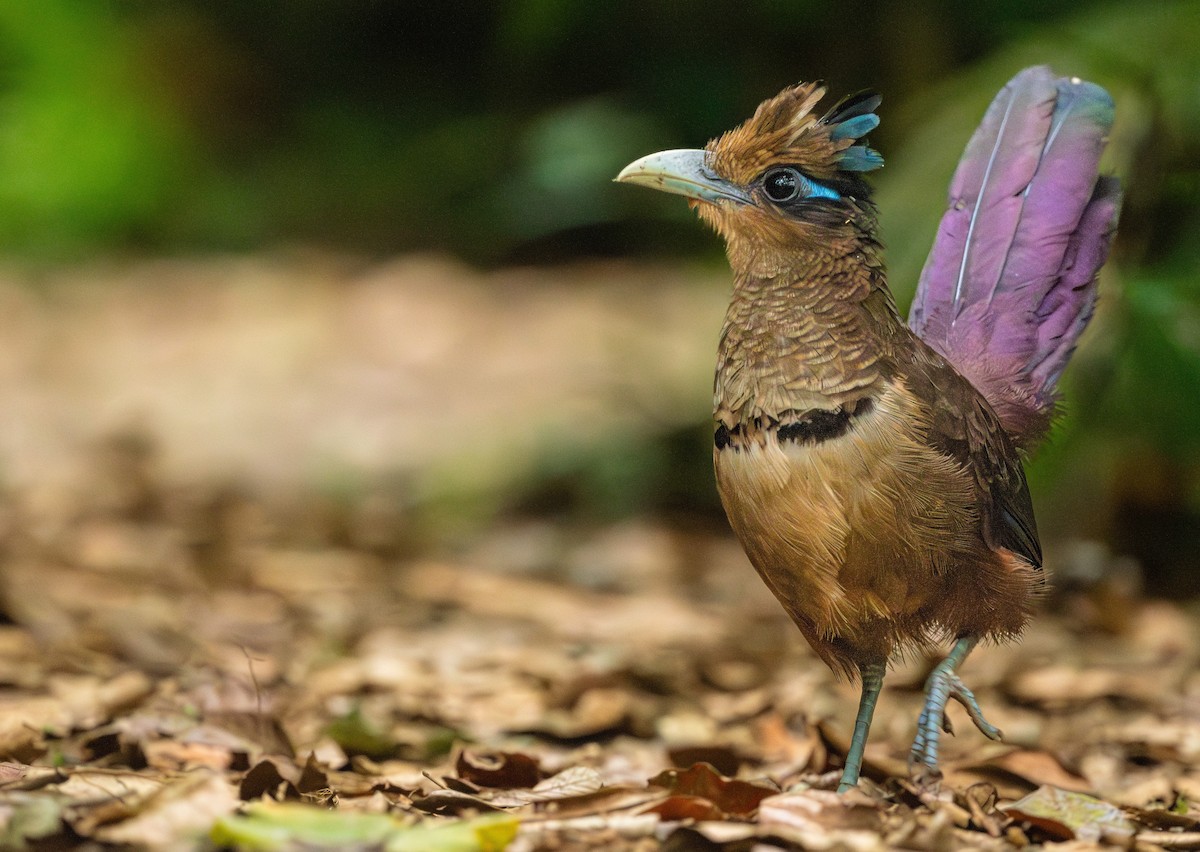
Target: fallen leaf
<point>822,819</point>
<point>357,736</point>
<point>482,834</point>
<point>24,720</point>
<point>678,808</point>
<point>821,809</point>
<point>265,779</point>
<point>173,755</point>
<point>451,803</point>
<point>597,711</point>
<point>172,816</point>
<point>269,826</point>
<point>1066,685</point>
<point>730,796</point>
<point>605,801</point>
<point>31,818</point>
<point>1066,815</point>
<point>498,769</point>
<point>19,776</point>
<point>779,742</point>
<point>87,784</point>
<point>722,758</point>
<point>572,782</point>
<point>1013,772</point>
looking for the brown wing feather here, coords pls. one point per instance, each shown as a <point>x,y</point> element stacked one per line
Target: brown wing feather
<point>964,427</point>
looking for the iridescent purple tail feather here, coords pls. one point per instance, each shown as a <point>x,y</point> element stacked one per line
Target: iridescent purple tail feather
<point>1011,281</point>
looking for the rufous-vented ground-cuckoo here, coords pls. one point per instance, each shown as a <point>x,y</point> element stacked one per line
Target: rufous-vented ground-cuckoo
<point>872,469</point>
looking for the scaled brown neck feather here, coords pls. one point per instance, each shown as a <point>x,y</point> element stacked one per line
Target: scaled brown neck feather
<point>811,325</point>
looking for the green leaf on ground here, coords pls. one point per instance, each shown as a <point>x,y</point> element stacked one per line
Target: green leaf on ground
<point>269,826</point>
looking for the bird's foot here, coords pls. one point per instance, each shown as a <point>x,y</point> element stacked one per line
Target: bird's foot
<point>943,684</point>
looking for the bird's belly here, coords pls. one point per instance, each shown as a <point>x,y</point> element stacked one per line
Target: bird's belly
<point>845,532</point>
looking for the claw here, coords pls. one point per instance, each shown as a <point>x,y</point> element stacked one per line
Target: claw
<point>964,696</point>
<point>944,684</point>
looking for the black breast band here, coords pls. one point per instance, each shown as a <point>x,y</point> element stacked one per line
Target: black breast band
<point>809,427</point>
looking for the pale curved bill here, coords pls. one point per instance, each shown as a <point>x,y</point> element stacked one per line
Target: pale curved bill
<point>682,171</point>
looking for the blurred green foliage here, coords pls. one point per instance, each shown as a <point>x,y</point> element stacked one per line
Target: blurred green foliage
<point>88,153</point>
<point>489,129</point>
<point>492,130</point>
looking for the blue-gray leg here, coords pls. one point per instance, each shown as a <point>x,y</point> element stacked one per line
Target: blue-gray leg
<point>872,683</point>
<point>944,684</point>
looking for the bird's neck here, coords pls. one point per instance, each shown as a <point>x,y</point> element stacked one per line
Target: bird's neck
<point>809,326</point>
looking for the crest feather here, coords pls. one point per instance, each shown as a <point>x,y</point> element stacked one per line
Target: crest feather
<point>784,130</point>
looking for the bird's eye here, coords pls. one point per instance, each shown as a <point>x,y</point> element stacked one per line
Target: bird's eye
<point>783,184</point>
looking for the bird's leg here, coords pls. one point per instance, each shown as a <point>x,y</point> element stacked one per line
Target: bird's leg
<point>872,682</point>
<point>944,684</point>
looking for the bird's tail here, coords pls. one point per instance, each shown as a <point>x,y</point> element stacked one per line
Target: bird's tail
<point>1011,281</point>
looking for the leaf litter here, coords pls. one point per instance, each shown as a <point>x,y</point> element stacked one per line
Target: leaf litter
<point>195,664</point>
<point>465,708</point>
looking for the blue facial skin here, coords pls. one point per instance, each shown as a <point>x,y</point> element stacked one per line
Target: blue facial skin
<point>820,190</point>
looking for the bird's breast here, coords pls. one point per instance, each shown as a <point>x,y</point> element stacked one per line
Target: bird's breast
<point>847,513</point>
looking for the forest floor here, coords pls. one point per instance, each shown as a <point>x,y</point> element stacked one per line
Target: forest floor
<point>194,661</point>
<point>181,662</point>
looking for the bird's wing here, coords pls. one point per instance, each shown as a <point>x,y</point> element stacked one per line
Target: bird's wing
<point>964,427</point>
<point>1011,280</point>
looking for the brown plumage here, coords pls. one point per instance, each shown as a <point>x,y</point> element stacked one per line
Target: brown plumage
<point>896,532</point>
<point>872,486</point>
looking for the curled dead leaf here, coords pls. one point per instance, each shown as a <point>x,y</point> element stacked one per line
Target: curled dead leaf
<point>498,769</point>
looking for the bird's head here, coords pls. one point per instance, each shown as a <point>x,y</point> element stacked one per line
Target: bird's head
<point>782,179</point>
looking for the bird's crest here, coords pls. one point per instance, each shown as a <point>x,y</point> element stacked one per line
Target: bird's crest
<point>784,130</point>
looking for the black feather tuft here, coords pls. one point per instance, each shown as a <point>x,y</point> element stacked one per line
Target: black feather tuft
<point>852,106</point>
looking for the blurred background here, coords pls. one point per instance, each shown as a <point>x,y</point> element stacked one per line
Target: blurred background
<point>362,263</point>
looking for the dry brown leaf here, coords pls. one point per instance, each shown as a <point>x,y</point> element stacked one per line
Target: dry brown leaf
<point>727,795</point>
<point>1064,685</point>
<point>981,802</point>
<point>92,700</point>
<point>19,776</point>
<point>174,815</point>
<point>603,831</point>
<point>719,832</point>
<point>174,755</point>
<point>823,819</point>
<point>678,808</point>
<point>597,711</point>
<point>1029,769</point>
<point>452,803</point>
<point>498,769</point>
<point>24,719</point>
<point>571,783</point>
<point>579,615</point>
<point>97,785</point>
<point>724,759</point>
<point>821,807</point>
<point>779,742</point>
<point>266,779</point>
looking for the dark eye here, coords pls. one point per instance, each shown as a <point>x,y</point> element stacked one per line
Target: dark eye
<point>783,184</point>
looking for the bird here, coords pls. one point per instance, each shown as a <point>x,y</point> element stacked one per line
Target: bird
<point>872,469</point>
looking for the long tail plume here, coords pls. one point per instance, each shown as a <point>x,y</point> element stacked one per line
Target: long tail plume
<point>1011,281</point>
